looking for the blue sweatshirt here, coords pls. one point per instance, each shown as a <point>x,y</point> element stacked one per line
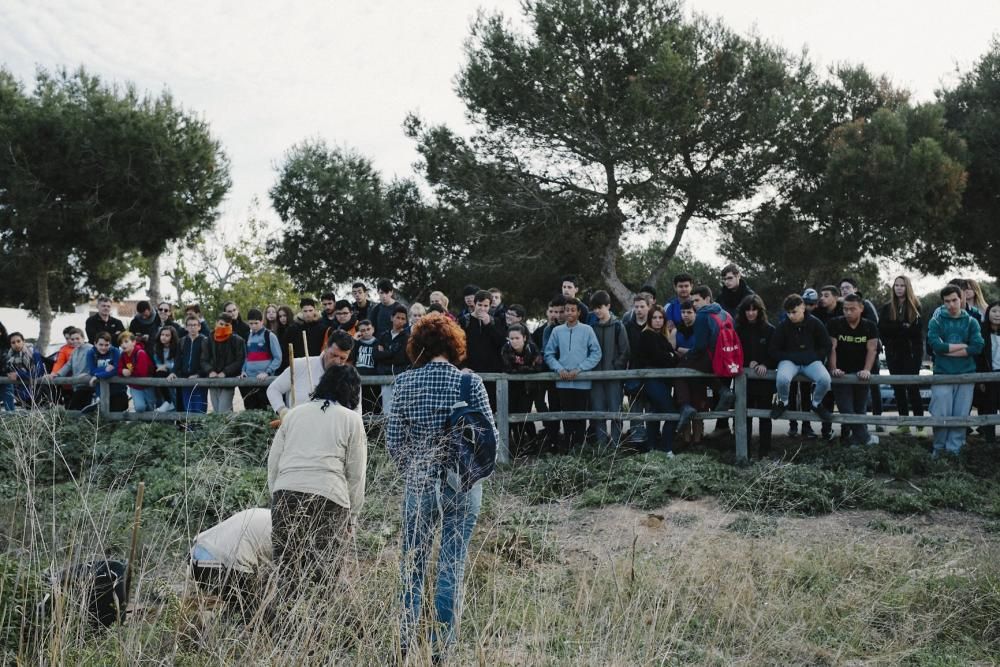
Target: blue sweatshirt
<point>104,366</point>
<point>706,331</point>
<point>263,353</point>
<point>572,348</point>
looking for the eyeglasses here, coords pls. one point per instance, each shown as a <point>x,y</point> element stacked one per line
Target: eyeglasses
<point>163,310</point>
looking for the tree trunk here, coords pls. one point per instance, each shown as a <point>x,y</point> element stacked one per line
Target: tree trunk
<point>44,311</point>
<point>682,222</point>
<point>154,279</point>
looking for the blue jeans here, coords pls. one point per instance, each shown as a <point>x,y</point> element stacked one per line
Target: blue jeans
<point>143,400</point>
<point>7,391</point>
<point>815,371</point>
<point>423,508</point>
<point>194,399</point>
<point>950,400</point>
<point>660,436</point>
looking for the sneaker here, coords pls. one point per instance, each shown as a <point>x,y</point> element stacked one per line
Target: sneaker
<point>900,430</point>
<point>822,412</point>
<point>777,409</point>
<point>872,440</point>
<point>830,437</point>
<point>669,455</point>
<point>166,406</point>
<point>687,414</point>
<point>727,399</point>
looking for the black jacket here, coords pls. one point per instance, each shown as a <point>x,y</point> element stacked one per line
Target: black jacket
<point>755,339</point>
<point>634,331</point>
<point>241,328</point>
<point>801,343</point>
<point>314,335</point>
<point>984,361</point>
<point>95,325</point>
<point>226,357</point>
<point>901,338</point>
<point>391,359</point>
<point>655,351</point>
<point>483,344</point>
<point>730,299</point>
<point>189,357</point>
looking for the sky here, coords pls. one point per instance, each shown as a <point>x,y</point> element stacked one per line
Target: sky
<point>267,75</point>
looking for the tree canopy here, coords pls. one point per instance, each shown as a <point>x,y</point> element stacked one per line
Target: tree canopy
<point>91,173</point>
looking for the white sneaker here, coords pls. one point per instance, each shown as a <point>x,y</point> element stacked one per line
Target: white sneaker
<point>166,407</point>
<point>872,440</point>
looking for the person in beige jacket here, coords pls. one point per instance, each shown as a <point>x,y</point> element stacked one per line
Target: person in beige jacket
<point>316,476</point>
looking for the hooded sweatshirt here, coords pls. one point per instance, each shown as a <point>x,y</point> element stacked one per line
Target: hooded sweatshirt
<point>614,342</point>
<point>77,363</point>
<point>801,343</point>
<point>945,330</point>
<point>706,331</point>
<point>571,348</point>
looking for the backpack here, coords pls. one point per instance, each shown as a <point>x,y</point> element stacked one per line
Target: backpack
<point>473,451</point>
<point>727,357</point>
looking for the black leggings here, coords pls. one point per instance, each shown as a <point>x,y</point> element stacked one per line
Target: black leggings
<point>907,395</point>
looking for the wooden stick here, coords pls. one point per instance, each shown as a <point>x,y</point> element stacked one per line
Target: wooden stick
<point>309,370</point>
<point>291,371</point>
<point>136,521</point>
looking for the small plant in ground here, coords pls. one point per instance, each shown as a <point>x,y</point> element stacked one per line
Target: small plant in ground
<point>890,527</point>
<point>753,525</point>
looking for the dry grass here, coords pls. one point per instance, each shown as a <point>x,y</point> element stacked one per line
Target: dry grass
<point>555,583</point>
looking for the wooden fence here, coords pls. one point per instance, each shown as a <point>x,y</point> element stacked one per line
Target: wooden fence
<point>504,418</point>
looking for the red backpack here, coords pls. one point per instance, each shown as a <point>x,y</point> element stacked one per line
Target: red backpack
<point>727,357</point>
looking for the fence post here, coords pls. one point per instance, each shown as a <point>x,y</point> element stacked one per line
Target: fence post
<point>503,420</point>
<point>740,427</point>
<point>104,407</point>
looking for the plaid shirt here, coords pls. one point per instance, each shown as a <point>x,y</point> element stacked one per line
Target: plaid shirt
<point>422,400</point>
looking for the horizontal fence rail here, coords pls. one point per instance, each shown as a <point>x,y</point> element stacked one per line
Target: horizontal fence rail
<point>504,418</point>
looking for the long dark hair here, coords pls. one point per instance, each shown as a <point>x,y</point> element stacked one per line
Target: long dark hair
<point>341,384</point>
<point>158,344</point>
<point>755,301</point>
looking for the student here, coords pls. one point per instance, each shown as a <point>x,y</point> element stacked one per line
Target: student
<point>240,328</point>
<point>520,356</point>
<point>638,317</point>
<point>195,309</point>
<point>547,397</point>
<point>572,349</point>
<point>328,308</point>
<point>308,371</point>
<point>734,289</point>
<point>223,357</point>
<point>483,340</point>
<point>800,344</point>
<point>710,316</point>
<point>6,390</point>
<point>684,331</point>
<point>263,358</point>
<point>854,350</point>
<point>606,395</point>
<point>656,351</point>
<point>362,306</point>
<point>974,296</point>
<point>271,322</point>
<point>417,310</point>
<point>144,325</point>
<point>134,363</point>
<point>648,294</point>
<point>829,304</point>
<point>849,286</point>
<point>188,365</point>
<point>468,300</point>
<point>343,320</point>
<point>799,397</point>
<point>497,308</point>
<point>390,356</point>
<point>515,314</point>
<point>439,298</point>
<point>65,352</point>
<point>102,363</point>
<point>828,308</point>
<point>286,317</point>
<point>363,359</point>
<point>956,339</point>
<point>755,334</point>
<point>309,324</point>
<point>570,290</point>
<point>901,330</point>
<point>24,365</point>
<point>683,284</point>
<point>102,321</point>
<point>80,393</point>
<point>165,311</point>
<point>989,362</point>
<point>165,351</point>
<point>382,313</point>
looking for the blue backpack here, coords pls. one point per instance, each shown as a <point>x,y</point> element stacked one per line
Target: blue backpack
<point>473,442</point>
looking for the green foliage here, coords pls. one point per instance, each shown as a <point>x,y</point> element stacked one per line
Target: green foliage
<point>92,172</point>
<point>326,194</point>
<point>608,118</point>
<point>22,590</point>
<point>753,525</point>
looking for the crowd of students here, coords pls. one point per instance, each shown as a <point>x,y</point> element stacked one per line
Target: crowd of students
<point>824,333</point>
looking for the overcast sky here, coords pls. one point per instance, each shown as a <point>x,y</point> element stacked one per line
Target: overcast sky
<point>269,74</point>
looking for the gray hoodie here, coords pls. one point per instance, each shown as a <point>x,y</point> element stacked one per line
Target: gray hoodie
<point>613,340</point>
<point>77,363</point>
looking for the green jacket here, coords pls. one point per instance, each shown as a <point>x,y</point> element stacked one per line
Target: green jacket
<point>945,330</point>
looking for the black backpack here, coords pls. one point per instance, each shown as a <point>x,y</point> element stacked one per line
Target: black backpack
<point>472,440</point>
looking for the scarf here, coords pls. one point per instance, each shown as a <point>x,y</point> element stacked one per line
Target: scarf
<point>222,333</point>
